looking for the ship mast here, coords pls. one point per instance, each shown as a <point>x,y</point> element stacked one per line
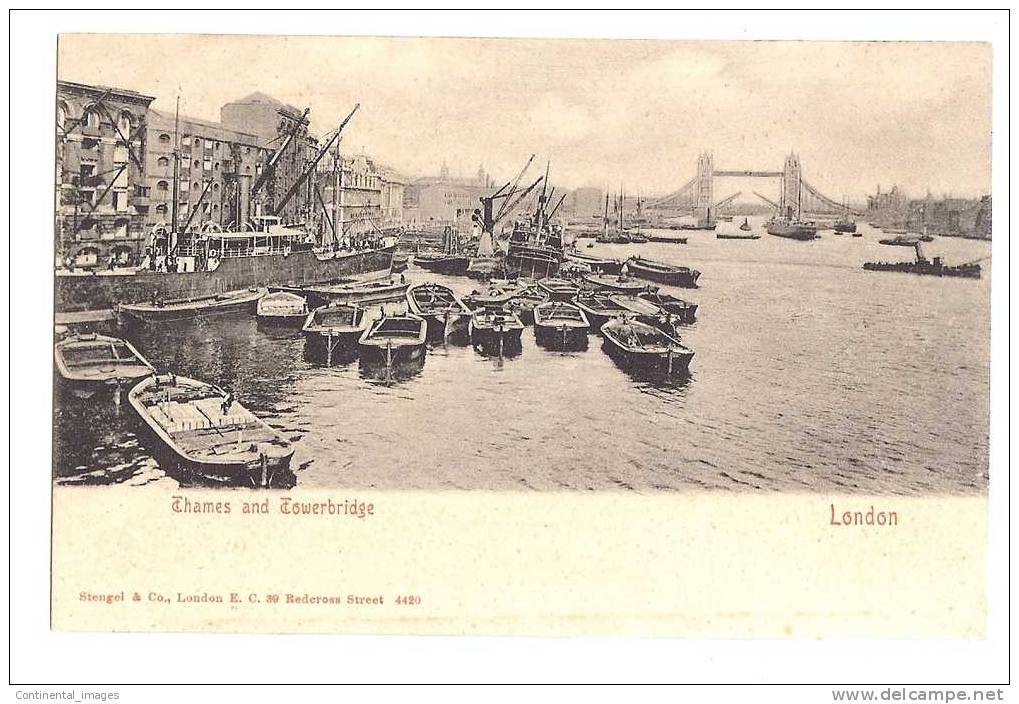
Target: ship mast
<point>176,179</point>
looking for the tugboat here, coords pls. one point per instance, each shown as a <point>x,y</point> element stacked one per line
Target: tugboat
<point>445,313</point>
<point>923,266</point>
<point>645,348</point>
<point>281,308</point>
<point>201,430</point>
<point>559,325</point>
<point>663,273</point>
<point>89,363</point>
<point>536,244</point>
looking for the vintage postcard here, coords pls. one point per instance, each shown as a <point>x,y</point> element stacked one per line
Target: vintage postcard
<point>521,336</point>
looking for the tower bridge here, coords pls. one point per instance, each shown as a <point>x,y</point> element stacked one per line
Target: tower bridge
<point>797,198</point>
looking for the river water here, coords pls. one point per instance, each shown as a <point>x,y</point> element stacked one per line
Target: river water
<point>810,375</point>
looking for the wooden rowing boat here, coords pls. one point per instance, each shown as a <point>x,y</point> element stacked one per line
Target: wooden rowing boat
<point>684,310</point>
<point>335,328</point>
<point>599,307</point>
<point>361,293</point>
<point>600,265</point>
<point>559,289</point>
<point>394,339</point>
<point>197,429</point>
<point>223,304</point>
<point>645,348</point>
<point>443,310</point>
<point>525,300</point>
<point>495,327</point>
<point>91,362</point>
<point>281,308</point>
<point>560,325</point>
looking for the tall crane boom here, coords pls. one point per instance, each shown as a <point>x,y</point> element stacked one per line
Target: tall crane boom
<point>270,168</point>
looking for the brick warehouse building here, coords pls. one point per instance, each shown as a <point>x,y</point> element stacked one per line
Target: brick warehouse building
<point>102,198</point>
<point>215,160</point>
<point>272,121</point>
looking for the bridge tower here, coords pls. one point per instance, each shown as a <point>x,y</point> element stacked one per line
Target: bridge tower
<point>791,199</point>
<point>705,186</point>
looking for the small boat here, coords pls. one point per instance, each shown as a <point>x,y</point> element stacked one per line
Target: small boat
<point>91,362</point>
<point>394,339</point>
<point>617,284</point>
<point>495,327</point>
<point>598,264</point>
<point>645,348</point>
<point>900,241</point>
<point>560,325</point>
<point>184,309</point>
<point>445,313</point>
<point>199,429</point>
<point>844,225</point>
<point>857,233</point>
<point>684,310</point>
<point>573,270</point>
<point>600,307</point>
<point>701,225</point>
<point>667,239</point>
<point>400,263</point>
<point>496,295</point>
<point>335,327</point>
<point>663,273</point>
<point>525,300</point>
<point>559,289</point>
<point>746,225</point>
<point>736,236</point>
<point>281,308</point>
<point>362,293</point>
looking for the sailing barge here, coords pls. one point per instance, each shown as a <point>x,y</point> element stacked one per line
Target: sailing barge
<point>200,430</point>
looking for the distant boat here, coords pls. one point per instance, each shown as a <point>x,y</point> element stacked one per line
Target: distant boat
<point>791,229</point>
<point>223,304</point>
<point>663,273</point>
<point>281,308</point>
<point>90,362</point>
<point>736,236</point>
<point>900,241</point>
<point>394,339</point>
<point>560,325</point>
<point>645,348</point>
<point>667,239</point>
<point>443,310</point>
<point>199,429</point>
<point>335,327</point>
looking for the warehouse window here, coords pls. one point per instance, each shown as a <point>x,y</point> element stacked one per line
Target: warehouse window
<point>164,138</point>
<point>162,186</point>
<point>163,161</point>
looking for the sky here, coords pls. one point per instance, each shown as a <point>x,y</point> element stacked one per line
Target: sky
<point>630,114</point>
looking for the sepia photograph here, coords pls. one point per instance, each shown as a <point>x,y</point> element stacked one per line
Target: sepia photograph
<point>522,265</point>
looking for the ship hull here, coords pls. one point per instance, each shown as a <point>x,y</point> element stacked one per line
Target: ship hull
<point>102,291</point>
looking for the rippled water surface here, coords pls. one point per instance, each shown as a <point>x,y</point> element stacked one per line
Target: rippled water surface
<point>810,374</point>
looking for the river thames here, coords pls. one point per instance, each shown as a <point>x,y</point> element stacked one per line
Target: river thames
<point>810,375</point>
